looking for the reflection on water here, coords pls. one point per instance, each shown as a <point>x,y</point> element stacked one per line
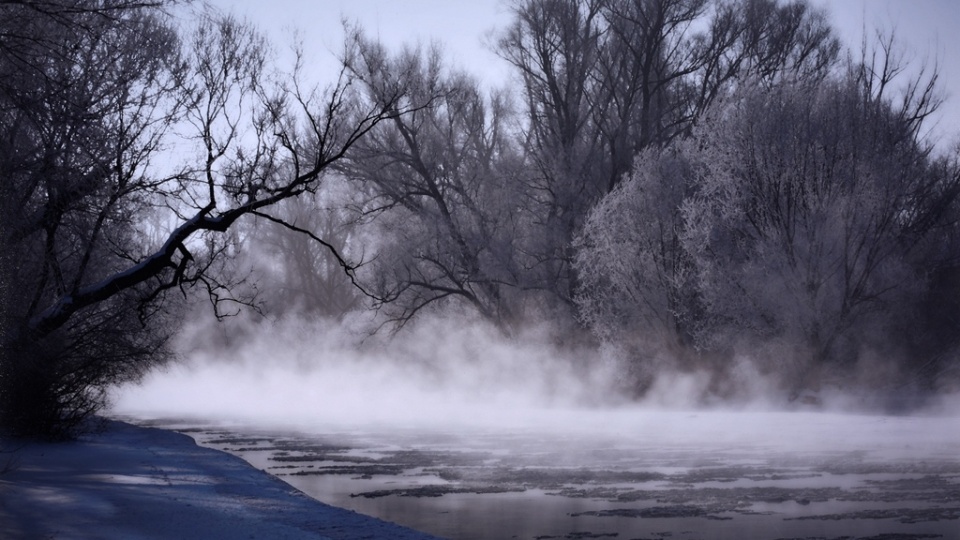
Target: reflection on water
<point>628,474</point>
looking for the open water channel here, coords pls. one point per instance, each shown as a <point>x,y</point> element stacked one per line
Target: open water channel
<point>625,474</point>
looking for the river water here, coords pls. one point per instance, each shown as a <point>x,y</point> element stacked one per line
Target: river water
<point>624,474</point>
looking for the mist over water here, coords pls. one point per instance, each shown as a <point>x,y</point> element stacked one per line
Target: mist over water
<point>446,371</point>
<point>448,423</point>
<point>674,256</point>
<point>450,373</point>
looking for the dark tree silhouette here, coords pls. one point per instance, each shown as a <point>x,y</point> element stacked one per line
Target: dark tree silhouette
<point>118,129</point>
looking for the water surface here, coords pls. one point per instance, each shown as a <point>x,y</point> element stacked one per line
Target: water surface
<point>624,474</point>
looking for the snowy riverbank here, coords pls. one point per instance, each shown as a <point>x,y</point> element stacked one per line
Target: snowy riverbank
<point>134,482</point>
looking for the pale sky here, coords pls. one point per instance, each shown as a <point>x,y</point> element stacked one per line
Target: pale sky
<point>931,28</point>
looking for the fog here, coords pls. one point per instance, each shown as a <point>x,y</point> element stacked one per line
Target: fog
<point>633,266</point>
<point>454,373</point>
<point>450,428</point>
<point>446,371</point>
<point>658,244</point>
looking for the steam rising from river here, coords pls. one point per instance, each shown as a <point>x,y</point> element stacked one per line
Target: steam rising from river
<point>456,408</point>
<point>441,372</point>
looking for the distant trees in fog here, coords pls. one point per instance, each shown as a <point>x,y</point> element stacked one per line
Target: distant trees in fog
<point>296,274</point>
<point>805,213</point>
<point>686,178</point>
<point>679,180</point>
<point>437,182</point>
<point>603,80</point>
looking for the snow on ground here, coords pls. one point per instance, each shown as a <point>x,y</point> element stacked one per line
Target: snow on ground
<point>131,482</point>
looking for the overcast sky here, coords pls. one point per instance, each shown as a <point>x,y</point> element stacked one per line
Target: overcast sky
<point>930,27</point>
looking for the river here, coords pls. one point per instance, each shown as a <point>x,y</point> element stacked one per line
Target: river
<point>623,473</point>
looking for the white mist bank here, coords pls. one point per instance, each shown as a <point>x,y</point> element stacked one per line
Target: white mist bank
<point>436,372</point>
<point>445,375</point>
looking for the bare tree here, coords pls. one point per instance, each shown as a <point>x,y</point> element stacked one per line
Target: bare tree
<point>95,96</point>
<point>651,52</point>
<point>604,80</point>
<point>435,184</point>
<point>554,46</point>
<point>80,121</point>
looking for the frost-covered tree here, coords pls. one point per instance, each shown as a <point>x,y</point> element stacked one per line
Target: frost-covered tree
<point>802,210</point>
<point>815,203</point>
<point>635,277</point>
<point>603,80</point>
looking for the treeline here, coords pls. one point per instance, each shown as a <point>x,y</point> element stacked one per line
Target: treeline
<point>493,190</point>
<point>686,182</point>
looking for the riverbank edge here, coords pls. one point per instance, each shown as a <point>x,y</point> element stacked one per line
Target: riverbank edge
<point>130,481</point>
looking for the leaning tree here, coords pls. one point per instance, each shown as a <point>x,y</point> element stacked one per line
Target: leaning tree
<point>129,150</point>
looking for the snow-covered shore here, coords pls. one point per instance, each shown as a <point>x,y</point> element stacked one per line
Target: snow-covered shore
<point>135,482</point>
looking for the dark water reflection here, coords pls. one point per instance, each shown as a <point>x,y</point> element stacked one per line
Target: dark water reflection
<point>675,475</point>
